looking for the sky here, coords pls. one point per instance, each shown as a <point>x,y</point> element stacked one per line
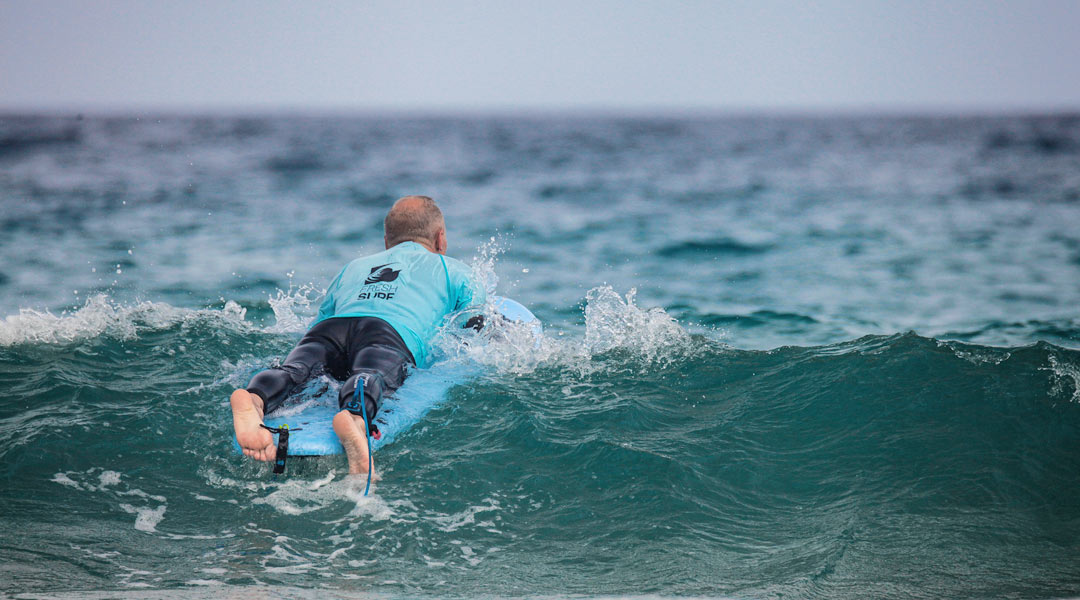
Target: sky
<point>630,55</point>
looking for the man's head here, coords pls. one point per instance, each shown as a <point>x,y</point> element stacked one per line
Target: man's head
<point>415,219</point>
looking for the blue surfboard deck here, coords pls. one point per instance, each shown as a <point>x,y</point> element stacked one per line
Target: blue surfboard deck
<point>310,421</point>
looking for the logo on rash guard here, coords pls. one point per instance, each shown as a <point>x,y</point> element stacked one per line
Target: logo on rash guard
<point>381,273</point>
<point>377,285</point>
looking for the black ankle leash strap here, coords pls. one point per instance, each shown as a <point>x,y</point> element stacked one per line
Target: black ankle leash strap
<point>282,445</point>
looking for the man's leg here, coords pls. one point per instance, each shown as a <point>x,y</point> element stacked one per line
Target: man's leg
<point>349,429</point>
<point>382,370</point>
<point>268,389</point>
<point>256,442</point>
<point>382,364</point>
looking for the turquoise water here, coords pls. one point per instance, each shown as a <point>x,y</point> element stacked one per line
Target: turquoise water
<point>783,357</point>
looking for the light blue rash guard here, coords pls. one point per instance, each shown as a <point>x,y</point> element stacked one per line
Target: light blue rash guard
<point>409,287</point>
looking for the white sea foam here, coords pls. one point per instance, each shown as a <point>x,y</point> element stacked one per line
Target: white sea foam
<point>297,496</point>
<point>336,553</point>
<point>453,522</point>
<point>64,479</point>
<point>236,374</point>
<point>281,559</point>
<point>146,519</point>
<point>112,483</point>
<point>82,480</point>
<point>612,323</point>
<point>101,316</point>
<point>1066,375</point>
<point>976,355</point>
<point>291,307</point>
<point>483,265</point>
<point>228,483</point>
<point>214,571</point>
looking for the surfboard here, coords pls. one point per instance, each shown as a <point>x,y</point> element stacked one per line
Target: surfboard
<point>309,416</point>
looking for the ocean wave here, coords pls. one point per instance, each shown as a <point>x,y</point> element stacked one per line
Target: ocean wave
<point>1045,139</point>
<point>614,325</point>
<point>23,134</point>
<point>807,452</point>
<point>759,318</point>
<point>1062,332</point>
<point>1066,378</point>
<point>718,247</point>
<point>101,317</point>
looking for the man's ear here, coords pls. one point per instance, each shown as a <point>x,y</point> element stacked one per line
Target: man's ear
<point>386,242</point>
<point>440,241</point>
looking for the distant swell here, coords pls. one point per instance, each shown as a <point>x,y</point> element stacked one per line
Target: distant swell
<point>759,318</point>
<point>718,247</point>
<point>21,135</point>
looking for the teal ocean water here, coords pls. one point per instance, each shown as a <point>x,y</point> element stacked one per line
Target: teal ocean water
<point>784,357</point>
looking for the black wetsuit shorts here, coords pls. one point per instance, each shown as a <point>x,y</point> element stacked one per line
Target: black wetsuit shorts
<point>347,349</point>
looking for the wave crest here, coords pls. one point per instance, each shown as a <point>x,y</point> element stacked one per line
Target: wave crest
<point>616,323</point>
<point>1066,375</point>
<point>613,323</point>
<point>291,308</point>
<point>102,317</point>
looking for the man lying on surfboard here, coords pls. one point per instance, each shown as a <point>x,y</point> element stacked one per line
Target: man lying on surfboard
<point>377,319</point>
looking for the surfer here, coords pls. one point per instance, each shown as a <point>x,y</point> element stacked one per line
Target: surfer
<point>376,321</point>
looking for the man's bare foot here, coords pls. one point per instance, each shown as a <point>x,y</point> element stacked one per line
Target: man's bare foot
<point>350,430</point>
<point>255,441</point>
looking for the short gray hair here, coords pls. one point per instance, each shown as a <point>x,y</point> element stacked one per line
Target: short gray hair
<point>412,218</point>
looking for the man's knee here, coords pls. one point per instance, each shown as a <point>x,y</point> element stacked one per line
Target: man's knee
<point>362,394</point>
<point>272,385</point>
<point>370,386</point>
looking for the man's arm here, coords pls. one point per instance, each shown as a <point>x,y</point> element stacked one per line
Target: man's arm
<point>470,293</point>
<point>475,322</point>
<point>326,309</point>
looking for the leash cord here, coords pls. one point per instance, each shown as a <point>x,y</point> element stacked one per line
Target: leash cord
<point>367,429</point>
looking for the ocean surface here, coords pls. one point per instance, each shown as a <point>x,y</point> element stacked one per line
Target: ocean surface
<point>784,357</point>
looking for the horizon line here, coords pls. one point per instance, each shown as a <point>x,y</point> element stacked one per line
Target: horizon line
<point>810,110</point>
